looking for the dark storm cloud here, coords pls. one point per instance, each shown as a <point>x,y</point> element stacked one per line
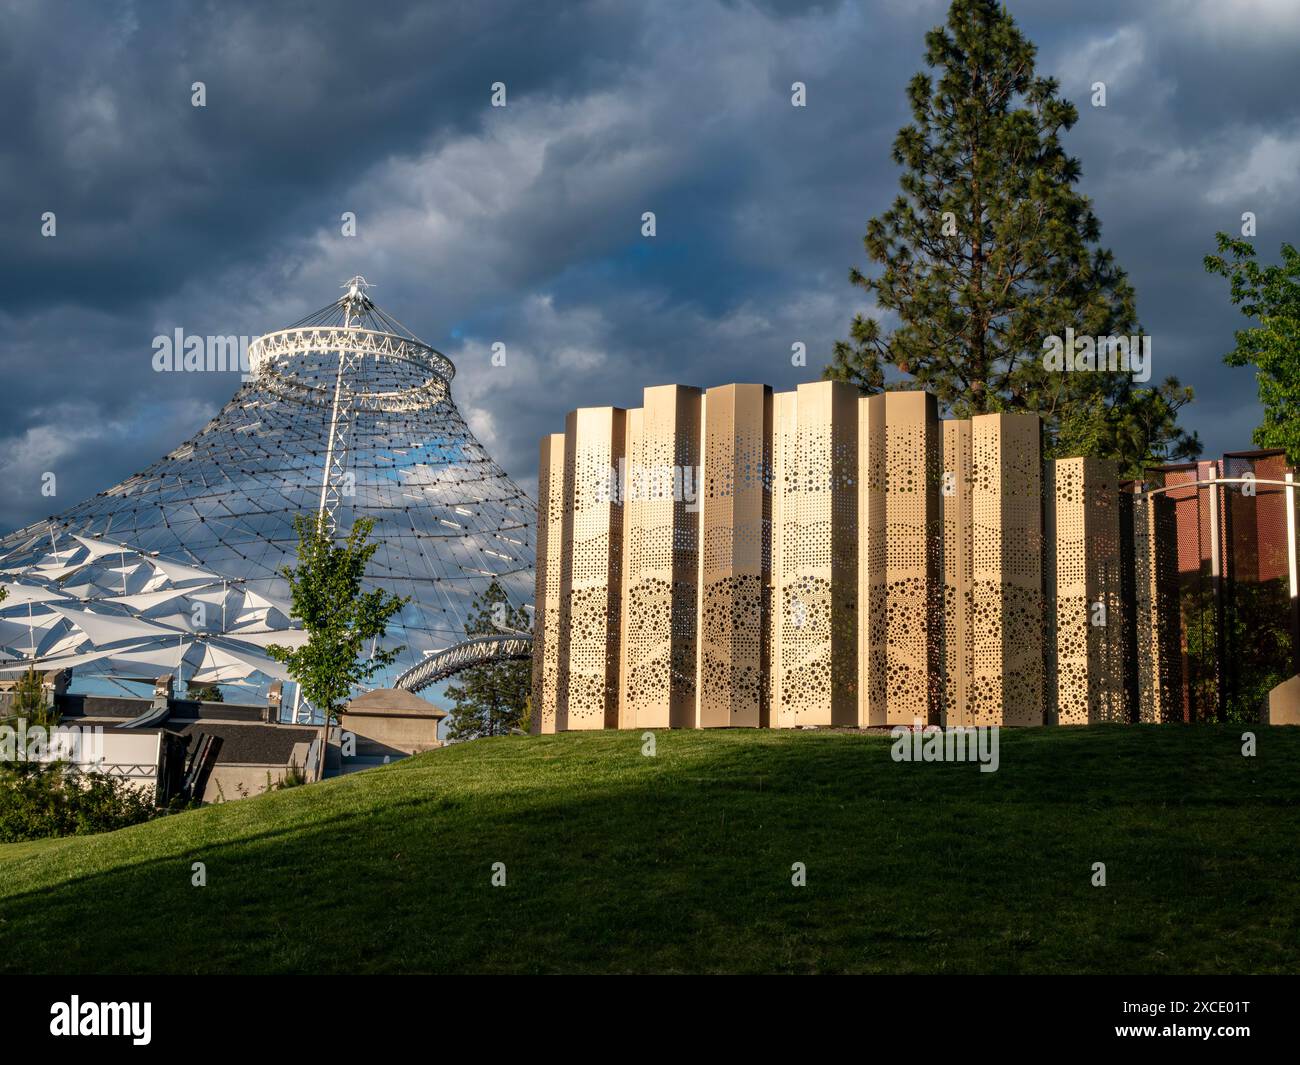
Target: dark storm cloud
<point>302,97</point>
<point>521,225</point>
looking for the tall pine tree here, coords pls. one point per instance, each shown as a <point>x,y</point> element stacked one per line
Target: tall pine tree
<point>491,699</point>
<point>990,250</point>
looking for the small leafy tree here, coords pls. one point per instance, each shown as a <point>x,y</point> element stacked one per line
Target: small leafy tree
<point>491,699</point>
<point>1271,295</point>
<point>340,619</point>
<point>206,693</point>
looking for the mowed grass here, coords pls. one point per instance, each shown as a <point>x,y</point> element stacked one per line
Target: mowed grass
<point>616,862</point>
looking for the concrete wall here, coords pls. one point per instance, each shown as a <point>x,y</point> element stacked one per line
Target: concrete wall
<point>390,734</point>
<point>229,782</point>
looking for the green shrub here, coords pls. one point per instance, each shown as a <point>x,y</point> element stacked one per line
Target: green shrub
<point>294,777</point>
<point>53,799</point>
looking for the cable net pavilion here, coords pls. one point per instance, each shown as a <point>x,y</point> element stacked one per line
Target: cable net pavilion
<point>346,414</point>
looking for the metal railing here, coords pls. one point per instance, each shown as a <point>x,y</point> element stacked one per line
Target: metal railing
<point>473,652</point>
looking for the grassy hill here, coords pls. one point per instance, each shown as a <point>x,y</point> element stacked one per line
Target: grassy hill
<point>621,863</point>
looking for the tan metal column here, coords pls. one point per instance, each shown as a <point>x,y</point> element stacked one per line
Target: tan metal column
<point>631,448</point>
<point>956,574</point>
<point>660,606</point>
<point>546,600</point>
<point>1006,606</point>
<point>1155,551</point>
<point>873,589</point>
<point>590,590</point>
<point>817,622</point>
<point>1084,682</point>
<point>735,562</point>
<point>913,450</point>
<point>785,444</point>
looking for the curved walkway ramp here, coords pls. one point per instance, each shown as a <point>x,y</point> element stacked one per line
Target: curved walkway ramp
<point>473,652</point>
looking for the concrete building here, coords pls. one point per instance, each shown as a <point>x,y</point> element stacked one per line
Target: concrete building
<point>217,751</point>
<point>384,725</point>
<point>169,746</point>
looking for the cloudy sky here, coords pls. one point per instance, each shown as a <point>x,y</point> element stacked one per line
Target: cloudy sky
<point>522,224</point>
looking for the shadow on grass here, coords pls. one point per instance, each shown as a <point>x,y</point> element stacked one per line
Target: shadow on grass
<point>683,863</point>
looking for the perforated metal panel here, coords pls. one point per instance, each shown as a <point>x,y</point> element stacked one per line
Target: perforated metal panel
<point>785,444</point>
<point>627,709</point>
<point>956,574</point>
<point>913,449</point>
<point>873,580</point>
<point>816,624</point>
<point>591,571</point>
<point>735,563</point>
<point>854,561</point>
<point>1189,620</point>
<point>1155,559</point>
<point>1085,637</point>
<point>1006,686</point>
<point>661,565</point>
<point>547,600</point>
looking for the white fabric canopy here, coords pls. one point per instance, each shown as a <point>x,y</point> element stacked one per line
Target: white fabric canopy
<point>225,663</point>
<point>285,637</point>
<point>14,632</point>
<point>256,599</point>
<point>178,571</point>
<point>147,600</point>
<point>61,640</point>
<point>56,663</point>
<point>29,593</point>
<point>108,628</point>
<point>55,572</point>
<point>99,548</point>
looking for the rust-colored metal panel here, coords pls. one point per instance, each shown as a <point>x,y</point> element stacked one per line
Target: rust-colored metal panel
<point>547,600</point>
<point>1255,541</point>
<point>590,590</point>
<point>735,562</point>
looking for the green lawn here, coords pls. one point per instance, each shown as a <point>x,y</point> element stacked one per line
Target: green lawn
<point>682,862</point>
